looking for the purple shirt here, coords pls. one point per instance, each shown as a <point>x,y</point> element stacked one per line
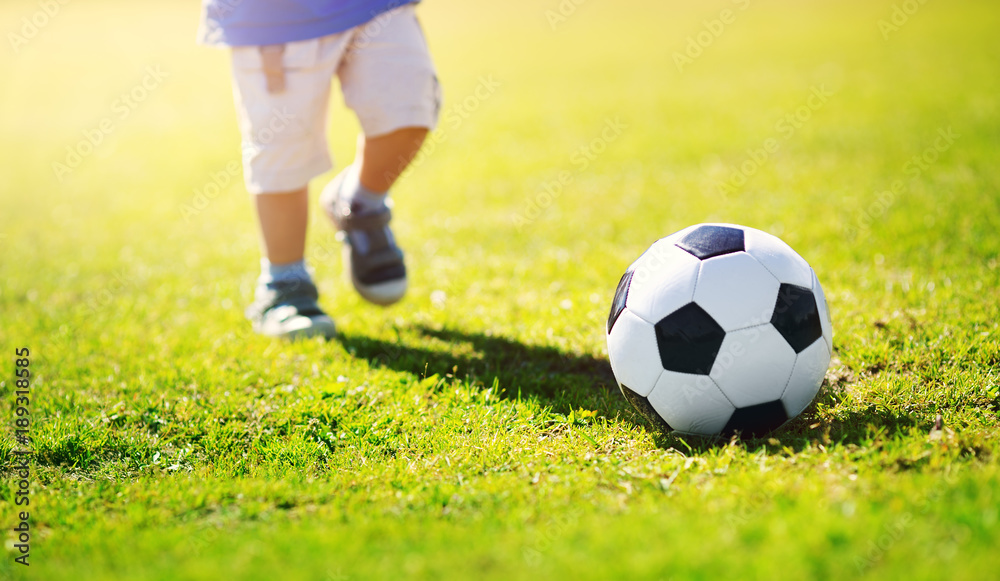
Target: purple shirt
<point>259,22</point>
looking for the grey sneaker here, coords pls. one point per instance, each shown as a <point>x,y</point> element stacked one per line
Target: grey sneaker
<point>288,309</point>
<point>371,256</point>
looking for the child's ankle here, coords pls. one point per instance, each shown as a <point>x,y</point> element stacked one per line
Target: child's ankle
<point>361,199</point>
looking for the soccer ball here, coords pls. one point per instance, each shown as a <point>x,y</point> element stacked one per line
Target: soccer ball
<point>719,329</point>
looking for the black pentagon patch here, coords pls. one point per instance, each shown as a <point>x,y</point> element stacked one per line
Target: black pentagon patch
<point>621,295</point>
<point>756,420</point>
<point>688,340</point>
<point>642,405</point>
<point>708,241</point>
<point>796,316</point>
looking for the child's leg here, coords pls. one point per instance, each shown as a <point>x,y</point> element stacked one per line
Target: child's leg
<point>356,202</point>
<point>383,158</point>
<point>388,79</point>
<point>282,95</point>
<point>283,218</point>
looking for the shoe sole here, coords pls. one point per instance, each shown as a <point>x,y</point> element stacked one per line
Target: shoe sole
<point>301,328</point>
<point>382,293</point>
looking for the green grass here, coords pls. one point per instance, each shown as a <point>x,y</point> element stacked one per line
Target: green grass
<point>474,431</point>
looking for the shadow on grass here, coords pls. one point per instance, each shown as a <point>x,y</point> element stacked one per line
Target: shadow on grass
<point>565,381</point>
<point>557,379</point>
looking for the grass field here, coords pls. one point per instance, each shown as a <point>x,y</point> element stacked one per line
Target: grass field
<point>474,430</point>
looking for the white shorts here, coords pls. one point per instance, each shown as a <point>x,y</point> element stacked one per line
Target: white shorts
<point>386,75</point>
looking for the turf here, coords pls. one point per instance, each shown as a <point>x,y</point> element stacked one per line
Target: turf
<point>475,431</point>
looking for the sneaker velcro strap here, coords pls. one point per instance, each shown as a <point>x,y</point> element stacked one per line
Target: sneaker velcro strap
<point>371,221</point>
<point>383,257</point>
<point>289,290</point>
<point>308,309</point>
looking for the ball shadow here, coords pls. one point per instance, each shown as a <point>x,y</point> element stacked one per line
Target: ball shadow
<point>560,380</point>
<point>566,381</point>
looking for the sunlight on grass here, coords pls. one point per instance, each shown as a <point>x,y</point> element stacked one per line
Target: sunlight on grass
<point>475,431</point>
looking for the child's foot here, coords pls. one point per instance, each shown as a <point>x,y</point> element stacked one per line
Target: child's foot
<point>370,251</point>
<point>288,309</point>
